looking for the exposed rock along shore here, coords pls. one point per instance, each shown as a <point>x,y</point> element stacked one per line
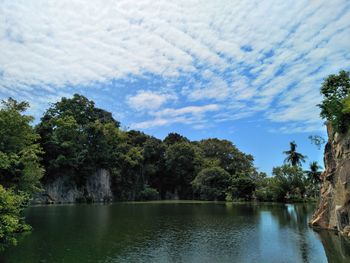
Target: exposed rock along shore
<point>97,188</point>
<point>334,207</point>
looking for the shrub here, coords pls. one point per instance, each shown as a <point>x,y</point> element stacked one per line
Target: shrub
<point>11,221</point>
<point>211,183</point>
<point>148,194</point>
<point>241,187</point>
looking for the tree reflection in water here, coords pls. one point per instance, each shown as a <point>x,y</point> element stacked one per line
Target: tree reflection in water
<point>176,232</point>
<point>336,246</point>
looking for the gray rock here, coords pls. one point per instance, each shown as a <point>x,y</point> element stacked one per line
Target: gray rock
<point>64,190</point>
<point>334,207</point>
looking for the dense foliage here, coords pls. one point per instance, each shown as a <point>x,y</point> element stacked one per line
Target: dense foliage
<point>79,138</point>
<point>211,183</point>
<point>335,106</point>
<point>289,181</point>
<point>11,221</point>
<point>20,168</point>
<point>75,139</point>
<point>313,179</point>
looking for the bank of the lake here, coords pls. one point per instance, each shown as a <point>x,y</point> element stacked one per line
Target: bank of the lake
<point>175,231</point>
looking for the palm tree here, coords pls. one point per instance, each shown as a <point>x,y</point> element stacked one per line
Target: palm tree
<point>293,157</point>
<point>313,179</point>
<point>313,175</point>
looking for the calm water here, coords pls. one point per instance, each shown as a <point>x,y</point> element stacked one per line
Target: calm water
<point>175,232</point>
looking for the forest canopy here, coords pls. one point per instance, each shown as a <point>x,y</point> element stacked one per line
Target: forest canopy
<point>78,138</point>
<point>74,139</point>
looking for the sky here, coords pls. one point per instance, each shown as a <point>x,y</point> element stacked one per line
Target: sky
<point>246,71</point>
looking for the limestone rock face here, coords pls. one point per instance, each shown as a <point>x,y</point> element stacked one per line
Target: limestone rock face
<point>97,188</point>
<point>334,208</point>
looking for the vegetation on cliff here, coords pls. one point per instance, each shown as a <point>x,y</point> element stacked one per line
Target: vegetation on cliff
<point>334,209</point>
<point>335,106</point>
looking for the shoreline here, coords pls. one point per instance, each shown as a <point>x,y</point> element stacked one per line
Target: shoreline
<point>172,202</point>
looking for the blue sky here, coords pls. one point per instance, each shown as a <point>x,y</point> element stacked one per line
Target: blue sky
<point>247,71</point>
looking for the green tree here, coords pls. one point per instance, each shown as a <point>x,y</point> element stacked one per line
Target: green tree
<point>313,179</point>
<point>346,105</point>
<point>293,157</point>
<point>239,165</point>
<point>174,137</point>
<point>290,179</point>
<point>241,187</point>
<point>211,183</point>
<point>181,163</point>
<point>11,220</point>
<point>20,169</point>
<point>314,174</point>
<point>19,153</point>
<point>81,109</point>
<point>136,138</point>
<point>287,184</point>
<point>335,104</point>
<point>153,164</point>
<point>148,194</point>
<point>78,138</point>
<point>269,190</point>
<point>128,179</point>
<point>227,156</point>
<point>147,175</point>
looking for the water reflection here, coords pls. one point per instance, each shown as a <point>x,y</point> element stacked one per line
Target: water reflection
<point>171,232</point>
<point>336,246</point>
<point>293,216</point>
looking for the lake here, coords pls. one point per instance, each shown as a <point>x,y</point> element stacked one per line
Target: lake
<point>175,232</point>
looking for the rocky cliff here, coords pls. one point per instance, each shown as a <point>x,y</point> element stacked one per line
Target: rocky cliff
<point>334,207</point>
<point>97,188</point>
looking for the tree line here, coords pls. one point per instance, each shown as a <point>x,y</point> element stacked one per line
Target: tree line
<point>78,138</point>
<point>75,138</point>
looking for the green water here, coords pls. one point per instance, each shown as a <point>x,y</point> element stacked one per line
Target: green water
<point>175,232</point>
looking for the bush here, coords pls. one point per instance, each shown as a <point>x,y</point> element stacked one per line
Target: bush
<point>11,222</point>
<point>288,184</point>
<point>149,194</point>
<point>241,187</point>
<point>211,183</point>
<point>264,194</point>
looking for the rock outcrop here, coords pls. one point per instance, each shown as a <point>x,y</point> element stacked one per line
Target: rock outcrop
<point>97,188</point>
<point>333,211</point>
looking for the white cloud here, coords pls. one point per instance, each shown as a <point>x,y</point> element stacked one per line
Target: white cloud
<point>290,128</point>
<point>147,100</point>
<point>193,110</point>
<point>234,51</point>
<point>216,89</point>
<point>191,115</point>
